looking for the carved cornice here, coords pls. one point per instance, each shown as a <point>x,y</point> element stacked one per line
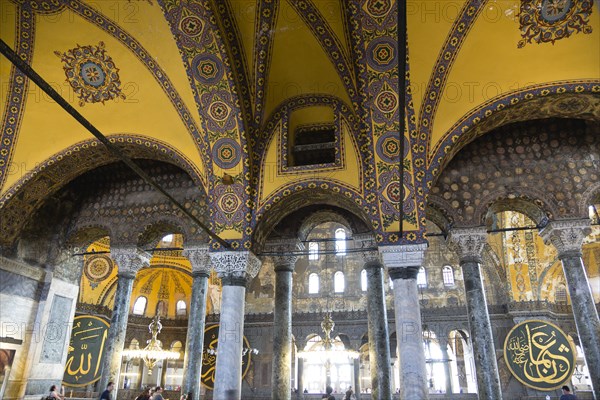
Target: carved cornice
<point>129,259</point>
<point>284,253</point>
<point>468,243</point>
<point>20,268</point>
<point>403,257</point>
<point>235,266</point>
<point>199,259</point>
<point>566,235</point>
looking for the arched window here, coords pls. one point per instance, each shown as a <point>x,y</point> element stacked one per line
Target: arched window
<point>313,283</point>
<point>338,282</point>
<point>363,280</point>
<point>181,308</point>
<point>561,294</point>
<point>168,239</point>
<point>139,307</point>
<point>313,251</point>
<point>161,307</point>
<point>422,278</point>
<point>340,242</point>
<point>448,275</point>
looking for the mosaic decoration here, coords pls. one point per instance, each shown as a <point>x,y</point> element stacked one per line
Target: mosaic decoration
<point>229,212</point>
<point>84,358</point>
<point>209,356</point>
<point>226,153</point>
<point>92,74</point>
<point>12,115</point>
<point>98,268</point>
<point>96,18</point>
<point>540,355</point>
<point>546,21</point>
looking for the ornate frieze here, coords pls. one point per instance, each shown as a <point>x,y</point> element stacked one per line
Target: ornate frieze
<point>566,235</point>
<point>199,259</point>
<point>468,242</point>
<point>368,246</point>
<point>234,267</point>
<point>403,256</point>
<point>129,259</point>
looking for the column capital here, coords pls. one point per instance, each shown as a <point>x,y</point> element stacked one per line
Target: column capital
<point>235,267</point>
<point>468,243</point>
<point>367,246</point>
<point>129,259</point>
<point>403,261</point>
<point>566,235</point>
<point>199,258</point>
<point>285,251</point>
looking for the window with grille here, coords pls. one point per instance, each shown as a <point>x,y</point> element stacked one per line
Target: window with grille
<point>338,282</point>
<point>313,283</point>
<point>313,251</point>
<point>422,278</point>
<point>448,273</point>
<point>139,307</point>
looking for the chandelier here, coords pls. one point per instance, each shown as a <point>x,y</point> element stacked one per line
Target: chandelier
<point>328,350</point>
<point>153,352</point>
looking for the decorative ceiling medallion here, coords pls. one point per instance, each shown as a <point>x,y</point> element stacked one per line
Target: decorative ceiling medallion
<point>98,268</point>
<point>190,24</point>
<point>226,153</point>
<point>546,21</point>
<point>91,73</point>
<point>378,8</point>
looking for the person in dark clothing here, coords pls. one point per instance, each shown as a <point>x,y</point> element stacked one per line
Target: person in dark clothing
<point>145,395</point>
<point>567,394</point>
<point>349,393</point>
<point>158,394</point>
<point>106,395</point>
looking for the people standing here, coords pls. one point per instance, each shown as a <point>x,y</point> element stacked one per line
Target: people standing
<point>567,394</point>
<point>349,393</point>
<point>107,394</point>
<point>158,394</point>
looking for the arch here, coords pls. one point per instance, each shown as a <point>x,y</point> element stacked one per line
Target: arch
<point>181,308</point>
<point>589,197</point>
<point>533,209</point>
<point>448,275</point>
<point>363,280</point>
<point>313,283</point>
<point>158,226</point>
<point>28,194</point>
<point>139,306</point>
<point>339,282</point>
<point>293,218</point>
<point>567,99</point>
<point>340,241</point>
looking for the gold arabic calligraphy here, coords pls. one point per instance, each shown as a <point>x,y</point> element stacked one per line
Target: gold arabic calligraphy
<point>539,354</point>
<point>85,351</point>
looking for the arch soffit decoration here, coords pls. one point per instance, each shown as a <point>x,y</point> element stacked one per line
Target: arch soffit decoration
<point>567,99</point>
<point>21,200</point>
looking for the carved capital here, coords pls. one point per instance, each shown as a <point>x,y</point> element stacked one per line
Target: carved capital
<point>404,272</point>
<point>234,267</point>
<point>284,253</point>
<point>566,235</point>
<point>468,243</point>
<point>129,259</point>
<point>367,246</point>
<point>199,259</point>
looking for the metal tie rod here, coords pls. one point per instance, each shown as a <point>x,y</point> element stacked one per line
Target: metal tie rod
<point>38,80</point>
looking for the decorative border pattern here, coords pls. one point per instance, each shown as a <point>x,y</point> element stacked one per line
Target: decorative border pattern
<point>17,91</point>
<point>464,130</point>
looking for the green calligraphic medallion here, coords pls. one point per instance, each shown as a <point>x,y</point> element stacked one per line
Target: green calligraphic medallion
<point>84,359</point>
<point>539,355</point>
<point>209,356</point>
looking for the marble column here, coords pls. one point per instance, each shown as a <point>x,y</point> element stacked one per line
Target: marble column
<point>236,269</point>
<point>567,236</point>
<point>468,244</point>
<point>357,386</point>
<point>300,378</point>
<point>403,264</point>
<point>284,262</point>
<point>192,364</point>
<point>379,338</point>
<point>129,260</point>
<point>443,341</point>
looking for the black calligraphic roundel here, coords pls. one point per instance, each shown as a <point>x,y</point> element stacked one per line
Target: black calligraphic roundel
<point>84,358</point>
<point>209,356</point>
<point>539,354</point>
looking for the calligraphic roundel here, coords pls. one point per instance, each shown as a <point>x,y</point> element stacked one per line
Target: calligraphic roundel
<point>539,354</point>
<point>209,356</point>
<point>86,348</point>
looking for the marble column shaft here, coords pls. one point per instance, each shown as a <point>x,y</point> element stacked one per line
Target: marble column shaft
<point>567,236</point>
<point>300,379</point>
<point>282,333</point>
<point>357,385</point>
<point>379,342</point>
<point>447,370</point>
<point>469,243</point>
<point>194,345</point>
<point>403,264</point>
<point>235,268</point>
<point>115,339</point>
